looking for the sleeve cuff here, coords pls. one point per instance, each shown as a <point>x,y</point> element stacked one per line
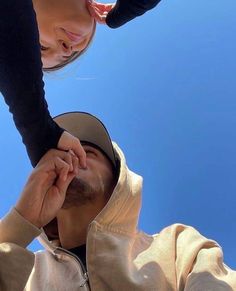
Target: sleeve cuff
<point>14,228</point>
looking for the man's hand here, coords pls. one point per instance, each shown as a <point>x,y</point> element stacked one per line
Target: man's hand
<point>99,11</point>
<point>45,190</point>
<point>69,142</point>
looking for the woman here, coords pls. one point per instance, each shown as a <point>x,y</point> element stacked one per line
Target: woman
<point>67,27</point>
<point>21,69</point>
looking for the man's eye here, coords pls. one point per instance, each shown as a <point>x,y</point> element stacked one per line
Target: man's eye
<point>43,48</point>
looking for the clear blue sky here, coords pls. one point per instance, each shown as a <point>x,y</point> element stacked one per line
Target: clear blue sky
<point>165,86</point>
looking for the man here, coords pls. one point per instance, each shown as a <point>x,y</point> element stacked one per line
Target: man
<point>90,235</point>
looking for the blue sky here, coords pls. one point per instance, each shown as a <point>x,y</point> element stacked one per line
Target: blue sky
<point>165,86</point>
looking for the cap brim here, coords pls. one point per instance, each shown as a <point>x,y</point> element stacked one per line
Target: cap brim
<point>87,128</point>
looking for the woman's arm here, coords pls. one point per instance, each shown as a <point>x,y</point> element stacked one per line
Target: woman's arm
<point>21,78</point>
<point>126,10</point>
<point>22,86</point>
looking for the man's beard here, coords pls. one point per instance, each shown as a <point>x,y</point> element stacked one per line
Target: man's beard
<point>80,192</point>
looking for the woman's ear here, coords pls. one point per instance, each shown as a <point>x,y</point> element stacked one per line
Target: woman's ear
<point>99,11</point>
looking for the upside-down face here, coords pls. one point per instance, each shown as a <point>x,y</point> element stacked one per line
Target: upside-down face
<point>65,27</point>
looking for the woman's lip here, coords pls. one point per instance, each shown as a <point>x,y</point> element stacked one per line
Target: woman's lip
<point>73,36</point>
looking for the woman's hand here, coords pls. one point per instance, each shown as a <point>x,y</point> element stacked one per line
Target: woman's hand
<point>45,191</point>
<point>69,142</point>
<point>99,10</point>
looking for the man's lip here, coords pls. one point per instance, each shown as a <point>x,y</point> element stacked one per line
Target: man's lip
<point>74,37</point>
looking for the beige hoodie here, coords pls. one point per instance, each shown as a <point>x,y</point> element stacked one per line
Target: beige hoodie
<point>119,256</point>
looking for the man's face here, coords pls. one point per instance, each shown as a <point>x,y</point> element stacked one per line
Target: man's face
<point>88,192</point>
<point>93,185</point>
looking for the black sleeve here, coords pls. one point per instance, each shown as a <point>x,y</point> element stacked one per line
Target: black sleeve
<point>126,10</point>
<point>21,81</point>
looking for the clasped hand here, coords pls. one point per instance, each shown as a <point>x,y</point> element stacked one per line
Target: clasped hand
<point>45,190</point>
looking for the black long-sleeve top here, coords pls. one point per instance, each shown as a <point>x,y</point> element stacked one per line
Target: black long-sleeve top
<point>126,10</point>
<point>21,81</point>
<point>21,78</point>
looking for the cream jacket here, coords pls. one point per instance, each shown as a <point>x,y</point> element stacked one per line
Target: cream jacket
<point>119,256</point>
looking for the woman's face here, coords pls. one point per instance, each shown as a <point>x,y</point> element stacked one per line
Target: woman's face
<point>65,27</point>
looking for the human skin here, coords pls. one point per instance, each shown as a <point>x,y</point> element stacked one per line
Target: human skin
<point>66,27</point>
<point>46,194</point>
<point>84,206</point>
<point>45,190</point>
<point>69,142</point>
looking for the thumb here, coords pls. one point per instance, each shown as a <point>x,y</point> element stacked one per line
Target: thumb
<point>80,152</point>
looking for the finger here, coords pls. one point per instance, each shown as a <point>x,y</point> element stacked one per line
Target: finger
<point>80,153</point>
<point>75,162</point>
<point>67,157</point>
<point>67,142</point>
<point>62,168</point>
<point>64,173</point>
<point>71,152</point>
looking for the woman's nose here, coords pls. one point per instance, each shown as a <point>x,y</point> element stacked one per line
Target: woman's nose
<point>65,47</point>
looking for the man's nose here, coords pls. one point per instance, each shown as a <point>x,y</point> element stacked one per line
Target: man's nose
<point>65,47</point>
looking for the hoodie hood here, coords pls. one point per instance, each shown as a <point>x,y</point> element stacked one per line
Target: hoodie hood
<point>123,208</point>
<point>119,257</point>
<point>121,212</point>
